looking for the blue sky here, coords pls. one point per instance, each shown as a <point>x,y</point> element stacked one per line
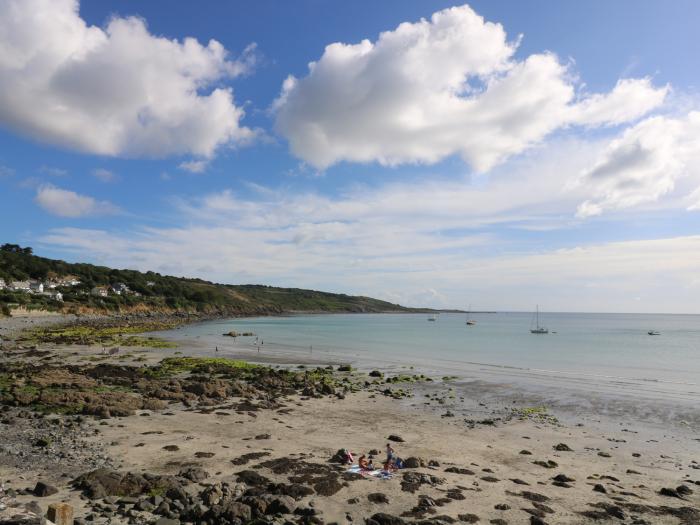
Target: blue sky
<point>498,154</point>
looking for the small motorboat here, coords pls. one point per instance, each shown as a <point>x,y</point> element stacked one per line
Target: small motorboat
<point>653,332</point>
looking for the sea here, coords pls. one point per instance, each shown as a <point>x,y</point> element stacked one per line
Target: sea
<point>606,362</point>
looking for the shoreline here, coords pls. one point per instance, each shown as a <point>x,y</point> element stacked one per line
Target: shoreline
<point>474,440</point>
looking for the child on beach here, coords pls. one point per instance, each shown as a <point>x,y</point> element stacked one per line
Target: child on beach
<point>390,452</point>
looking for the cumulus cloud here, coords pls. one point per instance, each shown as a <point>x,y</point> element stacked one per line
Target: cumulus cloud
<point>438,87</point>
<point>118,91</point>
<point>66,203</point>
<point>643,164</point>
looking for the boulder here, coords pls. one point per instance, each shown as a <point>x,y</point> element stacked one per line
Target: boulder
<point>195,474</point>
<point>42,489</point>
<point>414,462</point>
<point>60,514</point>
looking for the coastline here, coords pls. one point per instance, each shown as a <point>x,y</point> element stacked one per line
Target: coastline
<point>468,427</point>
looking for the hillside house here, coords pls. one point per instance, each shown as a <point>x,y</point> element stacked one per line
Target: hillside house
<point>18,286</point>
<point>36,286</point>
<point>120,288</point>
<point>99,291</point>
<point>2,284</point>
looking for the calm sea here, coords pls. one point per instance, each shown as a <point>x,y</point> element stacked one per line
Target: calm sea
<point>588,349</point>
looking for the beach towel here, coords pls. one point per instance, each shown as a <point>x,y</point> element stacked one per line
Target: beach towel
<point>376,473</point>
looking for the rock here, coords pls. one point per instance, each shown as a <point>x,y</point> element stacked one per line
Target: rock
<point>250,477</point>
<point>604,454</point>
<point>414,462</point>
<point>235,510</point>
<point>204,454</point>
<point>547,464</point>
<point>102,483</point>
<point>671,493</point>
<point>281,505</point>
<point>526,452</point>
<point>381,518</point>
<point>544,508</point>
<point>176,494</point>
<point>684,490</point>
<point>534,496</point>
<point>600,488</point>
<point>171,448</point>
<point>562,447</point>
<point>195,474</point>
<point>60,514</point>
<point>498,521</point>
<point>502,506</point>
<point>42,489</point>
<point>433,463</point>
<point>327,486</point>
<point>395,438</point>
<point>376,373</point>
<point>459,470</point>
<point>345,368</point>
<point>519,481</point>
<point>258,504</point>
<point>468,518</point>
<point>563,478</point>
<point>167,521</point>
<point>491,479</point>
<point>534,520</point>
<point>377,497</point>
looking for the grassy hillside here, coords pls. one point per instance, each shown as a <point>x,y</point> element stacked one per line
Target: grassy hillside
<point>153,291</point>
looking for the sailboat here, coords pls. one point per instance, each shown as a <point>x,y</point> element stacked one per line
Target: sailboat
<point>432,317</point>
<point>470,322</point>
<point>538,329</point>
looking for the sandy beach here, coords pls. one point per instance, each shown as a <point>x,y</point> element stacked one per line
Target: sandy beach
<point>528,467</point>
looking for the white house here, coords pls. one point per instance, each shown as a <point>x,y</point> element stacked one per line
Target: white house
<point>36,286</point>
<point>2,284</point>
<point>120,288</point>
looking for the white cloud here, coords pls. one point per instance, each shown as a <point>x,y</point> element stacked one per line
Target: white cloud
<point>643,164</point>
<point>65,203</point>
<point>194,166</point>
<point>598,276</point>
<point>430,89</point>
<point>6,171</point>
<point>117,91</point>
<point>104,175</point>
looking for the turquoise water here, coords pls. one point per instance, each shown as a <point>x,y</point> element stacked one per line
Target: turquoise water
<point>580,346</point>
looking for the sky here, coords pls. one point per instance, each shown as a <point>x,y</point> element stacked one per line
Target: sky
<point>496,154</point>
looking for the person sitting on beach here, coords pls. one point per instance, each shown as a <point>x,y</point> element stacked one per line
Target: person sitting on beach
<point>370,465</point>
<point>362,461</point>
<point>388,466</point>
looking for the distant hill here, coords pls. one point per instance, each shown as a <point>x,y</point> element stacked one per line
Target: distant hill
<point>90,288</point>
